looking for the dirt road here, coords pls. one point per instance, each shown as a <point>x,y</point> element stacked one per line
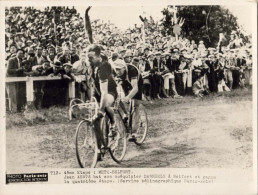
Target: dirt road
<point>196,133</point>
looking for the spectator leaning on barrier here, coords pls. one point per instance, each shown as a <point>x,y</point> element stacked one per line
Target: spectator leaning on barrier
<point>82,71</point>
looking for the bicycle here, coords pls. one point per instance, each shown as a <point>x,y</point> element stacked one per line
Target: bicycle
<point>90,141</point>
<point>135,108</point>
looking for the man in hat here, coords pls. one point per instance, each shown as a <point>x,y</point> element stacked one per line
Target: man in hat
<point>82,74</point>
<point>74,55</point>
<point>159,67</point>
<point>16,91</point>
<point>13,50</point>
<point>146,51</point>
<point>31,58</point>
<point>39,56</point>
<point>67,74</point>
<point>66,56</point>
<point>212,63</point>
<point>40,87</point>
<point>150,70</point>
<point>175,84</point>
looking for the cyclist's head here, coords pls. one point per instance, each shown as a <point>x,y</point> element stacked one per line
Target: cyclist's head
<point>94,54</point>
<point>119,67</point>
<point>136,61</point>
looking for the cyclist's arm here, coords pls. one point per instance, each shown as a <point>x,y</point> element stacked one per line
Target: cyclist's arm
<point>134,83</point>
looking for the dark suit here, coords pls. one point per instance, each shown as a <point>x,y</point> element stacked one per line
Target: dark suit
<point>16,91</point>
<point>65,59</point>
<point>74,58</point>
<point>212,75</point>
<point>14,68</point>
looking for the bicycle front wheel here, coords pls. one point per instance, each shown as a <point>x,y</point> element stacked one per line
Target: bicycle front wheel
<point>141,123</point>
<point>118,142</point>
<point>86,145</point>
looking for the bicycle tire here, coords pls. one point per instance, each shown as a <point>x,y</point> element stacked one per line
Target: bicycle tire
<point>104,131</point>
<point>141,132</point>
<point>118,143</point>
<point>87,155</point>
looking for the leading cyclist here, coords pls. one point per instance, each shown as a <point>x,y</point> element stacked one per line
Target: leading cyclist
<point>104,86</point>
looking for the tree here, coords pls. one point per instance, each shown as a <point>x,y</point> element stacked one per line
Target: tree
<point>203,23</point>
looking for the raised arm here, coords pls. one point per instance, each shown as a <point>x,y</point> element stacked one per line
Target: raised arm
<point>88,25</point>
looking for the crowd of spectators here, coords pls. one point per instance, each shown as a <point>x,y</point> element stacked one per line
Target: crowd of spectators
<point>53,42</point>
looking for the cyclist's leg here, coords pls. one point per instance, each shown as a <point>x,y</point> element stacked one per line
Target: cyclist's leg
<point>131,113</point>
<point>108,101</point>
<point>135,115</point>
<point>97,124</point>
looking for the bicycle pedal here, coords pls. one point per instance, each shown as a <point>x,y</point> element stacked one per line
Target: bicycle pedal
<point>132,139</point>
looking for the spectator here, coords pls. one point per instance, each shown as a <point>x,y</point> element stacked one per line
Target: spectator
<point>16,91</point>
<point>65,57</point>
<point>198,88</point>
<point>39,56</point>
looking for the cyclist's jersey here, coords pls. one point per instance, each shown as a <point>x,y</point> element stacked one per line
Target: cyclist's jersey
<point>103,73</point>
<point>132,73</point>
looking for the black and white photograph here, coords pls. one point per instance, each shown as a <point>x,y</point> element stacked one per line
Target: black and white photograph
<point>130,86</point>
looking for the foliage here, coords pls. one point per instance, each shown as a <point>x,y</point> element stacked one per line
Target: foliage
<point>203,23</point>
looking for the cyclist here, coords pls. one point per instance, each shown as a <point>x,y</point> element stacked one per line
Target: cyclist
<point>130,79</point>
<point>104,86</point>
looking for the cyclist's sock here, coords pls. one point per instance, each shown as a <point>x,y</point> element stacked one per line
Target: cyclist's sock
<point>108,111</point>
<point>112,126</point>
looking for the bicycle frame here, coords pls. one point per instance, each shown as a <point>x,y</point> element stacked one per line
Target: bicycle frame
<point>93,106</point>
<point>130,112</point>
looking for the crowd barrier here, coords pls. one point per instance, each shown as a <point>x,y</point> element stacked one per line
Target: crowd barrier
<point>29,87</point>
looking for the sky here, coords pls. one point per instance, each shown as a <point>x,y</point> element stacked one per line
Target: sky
<point>124,17</point>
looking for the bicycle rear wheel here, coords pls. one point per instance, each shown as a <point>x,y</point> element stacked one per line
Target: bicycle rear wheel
<point>142,125</point>
<point>86,145</point>
<point>118,142</point>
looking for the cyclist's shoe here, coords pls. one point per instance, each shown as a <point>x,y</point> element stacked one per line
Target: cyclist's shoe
<point>112,132</point>
<point>131,138</point>
<point>125,120</point>
<point>99,157</point>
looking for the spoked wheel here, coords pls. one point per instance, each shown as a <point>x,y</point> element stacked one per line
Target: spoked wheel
<point>86,145</point>
<point>118,142</point>
<point>141,125</point>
